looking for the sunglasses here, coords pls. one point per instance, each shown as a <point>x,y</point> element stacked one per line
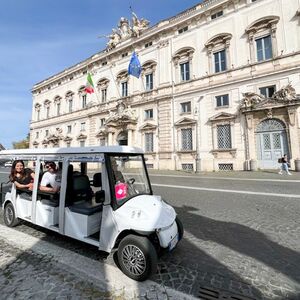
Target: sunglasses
<point>48,167</point>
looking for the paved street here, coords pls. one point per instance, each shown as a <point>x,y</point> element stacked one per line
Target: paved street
<point>241,239</point>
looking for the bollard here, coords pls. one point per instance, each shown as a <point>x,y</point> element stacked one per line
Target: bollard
<point>297,165</point>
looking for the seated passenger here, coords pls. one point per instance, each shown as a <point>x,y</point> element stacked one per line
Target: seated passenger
<point>22,177</point>
<point>51,179</point>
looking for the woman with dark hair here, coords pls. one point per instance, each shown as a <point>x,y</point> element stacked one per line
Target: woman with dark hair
<point>22,177</point>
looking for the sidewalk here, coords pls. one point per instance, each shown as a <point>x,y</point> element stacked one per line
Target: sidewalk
<point>261,174</point>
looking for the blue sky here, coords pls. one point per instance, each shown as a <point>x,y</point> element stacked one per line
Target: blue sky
<point>41,38</point>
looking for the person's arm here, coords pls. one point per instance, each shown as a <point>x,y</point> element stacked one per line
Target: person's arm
<point>22,186</point>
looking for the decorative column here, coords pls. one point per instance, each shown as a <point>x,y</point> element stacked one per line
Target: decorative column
<point>130,142</point>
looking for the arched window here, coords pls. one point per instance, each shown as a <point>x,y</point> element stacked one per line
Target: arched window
<point>102,86</point>
<point>82,96</point>
<point>69,99</point>
<point>218,52</point>
<point>262,38</point>
<point>122,79</point>
<point>183,64</point>
<point>148,71</point>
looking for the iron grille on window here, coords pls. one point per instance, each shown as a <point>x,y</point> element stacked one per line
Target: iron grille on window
<point>186,139</point>
<point>124,87</point>
<point>225,167</point>
<point>187,167</point>
<point>224,136</point>
<point>103,95</point>
<point>149,142</point>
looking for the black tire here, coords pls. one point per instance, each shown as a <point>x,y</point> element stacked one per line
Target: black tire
<point>180,228</point>
<point>9,215</point>
<point>137,257</point>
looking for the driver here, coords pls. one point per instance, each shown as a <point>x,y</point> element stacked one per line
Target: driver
<point>117,175</point>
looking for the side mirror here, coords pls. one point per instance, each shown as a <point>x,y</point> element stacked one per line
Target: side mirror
<point>100,196</point>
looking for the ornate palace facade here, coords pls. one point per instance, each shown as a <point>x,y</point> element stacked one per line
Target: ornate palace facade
<point>219,89</point>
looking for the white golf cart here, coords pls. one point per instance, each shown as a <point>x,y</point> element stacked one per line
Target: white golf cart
<point>105,200</point>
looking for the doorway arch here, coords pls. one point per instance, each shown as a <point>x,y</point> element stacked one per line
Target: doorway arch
<point>271,141</point>
<point>122,138</point>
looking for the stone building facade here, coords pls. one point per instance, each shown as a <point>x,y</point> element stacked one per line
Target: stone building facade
<point>219,89</point>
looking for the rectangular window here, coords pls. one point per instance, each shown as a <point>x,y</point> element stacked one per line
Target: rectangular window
<point>58,109</point>
<point>82,143</point>
<point>102,122</point>
<point>220,61</point>
<point>222,100</point>
<point>217,14</point>
<point>69,129</point>
<point>82,126</point>
<point>185,107</point>
<point>182,30</point>
<point>38,115</point>
<point>149,82</point>
<point>267,91</point>
<point>124,88</point>
<point>46,132</point>
<point>264,48</point>
<point>185,71</point>
<point>37,135</point>
<point>186,139</point>
<point>68,144</point>
<point>149,142</point>
<point>47,112</point>
<point>149,114</point>
<point>103,95</point>
<point>224,136</point>
<point>70,105</point>
<point>124,54</point>
<point>83,101</point>
<point>104,63</point>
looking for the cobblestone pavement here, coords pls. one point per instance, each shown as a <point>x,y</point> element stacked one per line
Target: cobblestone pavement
<point>238,246</point>
<point>27,275</point>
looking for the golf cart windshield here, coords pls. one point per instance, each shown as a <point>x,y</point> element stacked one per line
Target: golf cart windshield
<point>128,177</point>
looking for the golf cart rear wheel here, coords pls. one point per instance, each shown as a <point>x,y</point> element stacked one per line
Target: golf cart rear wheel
<point>180,228</point>
<point>137,257</point>
<point>10,219</point>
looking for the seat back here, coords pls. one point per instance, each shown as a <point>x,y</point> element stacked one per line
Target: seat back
<point>81,188</point>
<point>97,180</point>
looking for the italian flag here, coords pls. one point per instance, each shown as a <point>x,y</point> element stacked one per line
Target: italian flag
<point>89,88</point>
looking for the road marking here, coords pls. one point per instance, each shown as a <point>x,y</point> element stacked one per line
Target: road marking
<point>226,178</point>
<point>227,191</point>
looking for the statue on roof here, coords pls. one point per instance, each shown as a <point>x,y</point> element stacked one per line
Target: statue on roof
<point>138,25</point>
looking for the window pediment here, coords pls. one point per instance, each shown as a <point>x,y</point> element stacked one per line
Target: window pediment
<point>57,99</point>
<point>37,106</point>
<point>69,95</point>
<point>81,137</point>
<point>122,76</point>
<point>149,66</point>
<point>262,24</point>
<point>148,126</point>
<point>219,39</point>
<point>222,117</point>
<point>47,103</point>
<point>183,53</point>
<point>103,83</point>
<point>184,122</point>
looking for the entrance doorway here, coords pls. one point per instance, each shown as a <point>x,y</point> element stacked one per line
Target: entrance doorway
<point>122,138</point>
<point>271,140</point>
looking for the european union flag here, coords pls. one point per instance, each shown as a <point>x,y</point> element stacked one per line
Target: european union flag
<point>134,67</point>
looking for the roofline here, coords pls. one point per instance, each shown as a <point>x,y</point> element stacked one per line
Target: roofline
<point>97,56</point>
